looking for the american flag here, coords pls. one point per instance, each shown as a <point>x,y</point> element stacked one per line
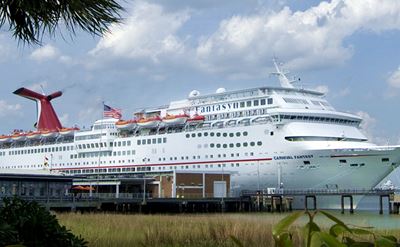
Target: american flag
<point>111,112</point>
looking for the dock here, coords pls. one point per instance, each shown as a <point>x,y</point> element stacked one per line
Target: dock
<point>189,192</point>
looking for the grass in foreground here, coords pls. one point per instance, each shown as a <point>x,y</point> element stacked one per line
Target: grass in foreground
<point>179,230</point>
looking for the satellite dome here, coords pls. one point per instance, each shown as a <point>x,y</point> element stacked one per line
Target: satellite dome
<point>220,90</point>
<point>194,93</point>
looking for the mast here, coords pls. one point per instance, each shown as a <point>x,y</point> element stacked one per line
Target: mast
<point>281,74</point>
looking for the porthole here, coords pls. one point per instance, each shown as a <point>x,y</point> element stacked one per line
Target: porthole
<point>187,135</point>
<point>259,143</point>
<point>252,144</point>
<point>237,134</point>
<point>218,145</point>
<point>212,134</point>
<point>238,145</point>
<point>231,145</point>
<point>225,145</point>
<point>225,134</point>
<point>205,133</point>
<point>245,133</point>
<point>245,144</point>
<point>231,134</point>
<point>193,135</point>
<point>199,134</point>
<point>212,145</point>
<point>218,134</point>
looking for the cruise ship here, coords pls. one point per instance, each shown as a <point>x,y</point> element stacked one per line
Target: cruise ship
<point>265,137</point>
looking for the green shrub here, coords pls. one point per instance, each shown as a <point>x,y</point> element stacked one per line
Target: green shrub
<point>339,234</point>
<point>29,224</point>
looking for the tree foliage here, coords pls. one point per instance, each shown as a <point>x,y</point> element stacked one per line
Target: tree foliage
<point>28,20</point>
<point>29,224</point>
<point>338,235</point>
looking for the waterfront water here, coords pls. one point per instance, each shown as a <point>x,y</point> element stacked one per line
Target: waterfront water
<point>364,218</point>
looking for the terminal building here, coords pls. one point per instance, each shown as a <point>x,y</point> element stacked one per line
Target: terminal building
<point>40,185</point>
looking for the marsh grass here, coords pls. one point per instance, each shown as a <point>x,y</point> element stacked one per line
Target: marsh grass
<point>180,230</point>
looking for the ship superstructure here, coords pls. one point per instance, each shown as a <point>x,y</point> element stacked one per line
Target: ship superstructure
<point>265,137</point>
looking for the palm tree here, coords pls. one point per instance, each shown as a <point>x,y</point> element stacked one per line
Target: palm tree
<point>29,20</point>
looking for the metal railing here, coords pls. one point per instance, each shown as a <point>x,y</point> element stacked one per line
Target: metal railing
<point>299,192</point>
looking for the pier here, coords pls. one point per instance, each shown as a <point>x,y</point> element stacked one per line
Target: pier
<point>177,192</point>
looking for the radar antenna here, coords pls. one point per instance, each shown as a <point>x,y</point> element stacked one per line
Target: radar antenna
<point>281,74</point>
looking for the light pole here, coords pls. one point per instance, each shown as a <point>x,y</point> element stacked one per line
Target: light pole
<point>258,175</point>
<point>144,182</point>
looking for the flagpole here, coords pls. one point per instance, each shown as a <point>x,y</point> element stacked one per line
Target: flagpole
<point>98,165</point>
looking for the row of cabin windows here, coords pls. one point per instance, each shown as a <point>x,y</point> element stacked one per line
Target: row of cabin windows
<point>148,168</point>
<point>93,145</point>
<point>39,150</point>
<point>217,134</point>
<point>104,144</point>
<point>88,137</point>
<point>256,102</point>
<point>152,141</point>
<point>103,154</point>
<point>211,156</point>
<point>278,118</point>
<point>122,143</point>
<point>237,114</point>
<point>345,161</point>
<point>238,145</point>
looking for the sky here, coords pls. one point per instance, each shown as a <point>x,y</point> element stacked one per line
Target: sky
<point>348,49</point>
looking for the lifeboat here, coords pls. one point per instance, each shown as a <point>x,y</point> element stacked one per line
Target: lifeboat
<point>4,138</point>
<point>49,133</point>
<point>126,124</point>
<point>32,135</point>
<point>68,131</point>
<point>19,136</point>
<point>196,119</point>
<point>150,122</point>
<point>175,119</point>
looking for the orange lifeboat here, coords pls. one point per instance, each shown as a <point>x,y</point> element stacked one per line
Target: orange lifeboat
<point>49,133</point>
<point>175,119</point>
<point>18,136</point>
<point>196,119</point>
<point>126,124</point>
<point>5,138</point>
<point>68,131</point>
<point>32,135</point>
<point>150,122</point>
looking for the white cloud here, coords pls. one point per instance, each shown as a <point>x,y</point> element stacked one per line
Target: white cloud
<point>149,33</point>
<point>311,38</point>
<point>44,53</point>
<point>394,79</point>
<point>344,92</point>
<point>368,124</point>
<point>64,119</point>
<point>322,89</point>
<point>7,109</point>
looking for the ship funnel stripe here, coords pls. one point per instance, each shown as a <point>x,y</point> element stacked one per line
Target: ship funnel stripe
<point>46,116</point>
